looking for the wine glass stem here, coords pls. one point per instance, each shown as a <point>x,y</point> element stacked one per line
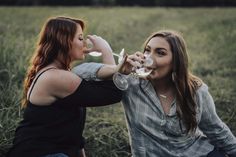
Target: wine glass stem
<point>114,54</point>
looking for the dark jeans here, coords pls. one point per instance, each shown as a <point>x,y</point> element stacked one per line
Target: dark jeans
<point>216,153</point>
<point>56,155</point>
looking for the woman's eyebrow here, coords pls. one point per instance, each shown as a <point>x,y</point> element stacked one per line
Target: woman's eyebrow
<point>156,49</point>
<point>160,48</point>
<point>147,46</point>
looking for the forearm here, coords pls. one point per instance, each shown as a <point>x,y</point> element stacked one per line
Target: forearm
<point>221,136</point>
<point>87,71</point>
<point>93,71</point>
<point>107,58</point>
<point>106,71</point>
<point>213,127</point>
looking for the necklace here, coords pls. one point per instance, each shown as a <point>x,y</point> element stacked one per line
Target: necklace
<point>163,96</point>
<point>166,93</point>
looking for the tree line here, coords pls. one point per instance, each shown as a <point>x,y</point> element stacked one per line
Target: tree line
<point>174,3</point>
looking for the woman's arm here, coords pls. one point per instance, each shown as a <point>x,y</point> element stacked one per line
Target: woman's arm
<point>96,93</point>
<point>67,85</point>
<point>99,71</point>
<point>106,72</point>
<point>95,71</point>
<point>212,126</point>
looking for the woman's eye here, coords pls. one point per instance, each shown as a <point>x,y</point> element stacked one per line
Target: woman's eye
<point>160,53</point>
<point>81,39</point>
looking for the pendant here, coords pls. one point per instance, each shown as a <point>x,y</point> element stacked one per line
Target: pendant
<point>163,96</point>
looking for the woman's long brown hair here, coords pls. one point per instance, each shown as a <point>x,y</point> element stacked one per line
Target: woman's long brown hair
<point>54,42</point>
<point>185,83</point>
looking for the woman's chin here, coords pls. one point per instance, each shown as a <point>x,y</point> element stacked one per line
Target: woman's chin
<point>153,76</point>
<point>82,57</point>
<point>150,77</point>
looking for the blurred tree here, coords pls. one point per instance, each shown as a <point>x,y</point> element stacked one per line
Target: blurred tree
<point>177,3</point>
<point>103,2</point>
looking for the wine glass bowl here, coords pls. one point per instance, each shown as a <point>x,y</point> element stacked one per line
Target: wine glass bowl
<point>89,45</point>
<point>120,81</point>
<point>143,71</point>
<point>148,60</point>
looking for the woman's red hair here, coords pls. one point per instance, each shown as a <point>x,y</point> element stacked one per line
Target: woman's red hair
<point>54,42</point>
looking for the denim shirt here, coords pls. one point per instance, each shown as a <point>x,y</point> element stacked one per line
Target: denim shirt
<point>156,134</point>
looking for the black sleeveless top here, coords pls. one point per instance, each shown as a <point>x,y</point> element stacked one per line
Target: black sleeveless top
<point>58,128</point>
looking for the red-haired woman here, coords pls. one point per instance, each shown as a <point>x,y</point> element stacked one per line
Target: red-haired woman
<point>55,98</point>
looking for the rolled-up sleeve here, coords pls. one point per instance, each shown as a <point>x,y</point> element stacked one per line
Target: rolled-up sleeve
<point>212,126</point>
<point>87,71</point>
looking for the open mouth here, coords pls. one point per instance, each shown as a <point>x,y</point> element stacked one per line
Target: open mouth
<point>85,50</point>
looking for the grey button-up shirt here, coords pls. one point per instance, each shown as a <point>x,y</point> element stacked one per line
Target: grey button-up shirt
<point>155,134</point>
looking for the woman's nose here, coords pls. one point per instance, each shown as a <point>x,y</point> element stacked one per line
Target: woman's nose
<point>84,43</point>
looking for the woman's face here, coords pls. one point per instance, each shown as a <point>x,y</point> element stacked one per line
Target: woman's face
<point>76,52</point>
<point>160,52</point>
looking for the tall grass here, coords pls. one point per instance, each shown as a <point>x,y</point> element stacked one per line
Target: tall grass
<point>210,35</point>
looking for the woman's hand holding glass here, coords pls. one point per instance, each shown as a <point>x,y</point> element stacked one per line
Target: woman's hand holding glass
<point>96,45</point>
<point>140,63</point>
<point>136,65</point>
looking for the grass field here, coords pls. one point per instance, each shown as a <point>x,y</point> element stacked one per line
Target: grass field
<point>210,34</point>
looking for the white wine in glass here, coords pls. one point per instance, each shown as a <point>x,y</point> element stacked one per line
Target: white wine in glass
<point>97,54</point>
<point>93,53</point>
<point>143,71</point>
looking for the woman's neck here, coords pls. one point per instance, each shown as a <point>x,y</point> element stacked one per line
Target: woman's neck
<point>165,91</point>
<point>163,85</point>
<point>57,64</point>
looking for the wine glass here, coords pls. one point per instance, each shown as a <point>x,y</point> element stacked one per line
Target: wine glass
<point>121,81</point>
<point>143,71</point>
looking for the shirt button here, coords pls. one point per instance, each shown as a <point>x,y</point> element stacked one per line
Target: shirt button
<point>163,122</point>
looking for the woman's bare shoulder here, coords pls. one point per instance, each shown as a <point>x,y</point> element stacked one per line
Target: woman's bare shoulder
<point>60,83</point>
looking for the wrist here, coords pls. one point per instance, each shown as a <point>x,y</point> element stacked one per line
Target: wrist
<point>106,51</point>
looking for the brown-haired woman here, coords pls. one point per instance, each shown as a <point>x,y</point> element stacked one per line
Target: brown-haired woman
<point>55,98</point>
<point>171,113</point>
